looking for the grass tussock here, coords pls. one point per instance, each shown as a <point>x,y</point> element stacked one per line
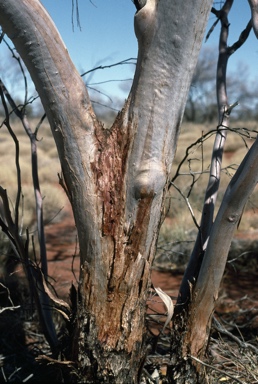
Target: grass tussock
<point>54,198</point>
<point>23,347</point>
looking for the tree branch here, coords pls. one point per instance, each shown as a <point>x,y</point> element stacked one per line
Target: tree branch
<point>197,254</point>
<point>254,10</point>
<point>17,153</point>
<point>131,60</point>
<point>229,214</point>
<point>66,103</point>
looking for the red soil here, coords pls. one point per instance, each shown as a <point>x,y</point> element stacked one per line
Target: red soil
<point>238,290</point>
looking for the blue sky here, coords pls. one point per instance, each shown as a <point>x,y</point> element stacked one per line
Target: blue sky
<point>107,36</point>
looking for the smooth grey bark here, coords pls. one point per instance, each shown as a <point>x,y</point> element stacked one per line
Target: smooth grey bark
<point>116,180</point>
<point>254,10</point>
<point>200,286</point>
<point>212,189</point>
<point>227,219</point>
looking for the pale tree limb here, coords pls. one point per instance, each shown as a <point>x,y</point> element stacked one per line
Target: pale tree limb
<point>195,261</point>
<point>62,92</point>
<point>207,285</point>
<point>254,10</point>
<point>117,179</point>
<point>211,252</point>
<point>224,110</point>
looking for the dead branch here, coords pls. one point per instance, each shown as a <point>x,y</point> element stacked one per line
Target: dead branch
<point>218,326</point>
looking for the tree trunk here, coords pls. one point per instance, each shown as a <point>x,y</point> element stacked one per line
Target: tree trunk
<point>117,179</point>
<point>191,327</point>
<point>202,279</point>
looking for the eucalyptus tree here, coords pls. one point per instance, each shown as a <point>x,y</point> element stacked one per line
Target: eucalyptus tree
<point>117,180</point>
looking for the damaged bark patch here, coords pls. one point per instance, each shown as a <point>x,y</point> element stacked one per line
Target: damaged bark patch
<point>110,172</point>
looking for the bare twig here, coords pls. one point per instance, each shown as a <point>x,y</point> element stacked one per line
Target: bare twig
<point>109,81</point>
<point>35,177</point>
<point>199,141</point>
<point>77,15</point>
<point>18,59</point>
<point>242,344</point>
<point>9,298</point>
<point>242,39</point>
<point>104,105</point>
<point>188,205</point>
<point>9,308</point>
<point>215,369</point>
<point>131,60</point>
<point>36,286</point>
<point>3,92</point>
<point>212,27</point>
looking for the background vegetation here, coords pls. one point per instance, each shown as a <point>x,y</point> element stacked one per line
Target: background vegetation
<point>186,194</point>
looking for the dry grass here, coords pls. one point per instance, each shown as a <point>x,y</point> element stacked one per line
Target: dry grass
<point>178,227</point>
<point>179,218</point>
<point>198,162</point>
<point>48,168</point>
<point>232,359</point>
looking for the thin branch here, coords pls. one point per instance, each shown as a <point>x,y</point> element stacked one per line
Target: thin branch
<point>210,198</point>
<point>41,297</point>
<point>131,60</point>
<point>200,141</point>
<point>35,178</point>
<point>77,15</point>
<point>242,344</point>
<point>3,92</point>
<point>215,369</point>
<point>18,59</point>
<point>104,105</point>
<point>188,205</point>
<point>100,92</point>
<point>242,39</point>
<point>109,81</point>
<point>212,28</point>
<point>39,124</point>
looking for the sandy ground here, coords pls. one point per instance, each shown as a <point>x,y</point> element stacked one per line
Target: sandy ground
<point>239,290</point>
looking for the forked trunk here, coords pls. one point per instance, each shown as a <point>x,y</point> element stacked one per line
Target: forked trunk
<point>117,179</point>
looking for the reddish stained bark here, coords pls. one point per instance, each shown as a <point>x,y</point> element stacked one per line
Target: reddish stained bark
<point>123,302</point>
<point>110,175</point>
